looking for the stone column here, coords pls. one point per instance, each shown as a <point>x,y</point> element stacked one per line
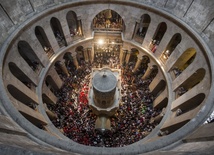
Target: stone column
<point>74,55</point>
<point>148,72</point>
<point>128,54</point>
<point>55,76</point>
<point>52,39</point>
<point>79,27</point>
<point>122,56</point>
<point>92,54</point>
<point>85,51</point>
<point>138,63</point>
<point>64,68</point>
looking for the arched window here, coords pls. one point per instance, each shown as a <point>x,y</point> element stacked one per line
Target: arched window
<point>183,61</point>
<point>159,33</point>
<point>58,32</point>
<point>14,69</point>
<point>189,83</point>
<point>29,56</point>
<point>141,28</point>
<point>108,20</point>
<point>74,25</point>
<point>175,40</point>
<point>41,36</point>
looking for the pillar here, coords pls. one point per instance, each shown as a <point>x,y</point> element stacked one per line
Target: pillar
<point>58,81</point>
<point>148,72</point>
<point>85,51</point>
<point>91,53</point>
<point>74,55</point>
<point>64,68</point>
<point>128,54</point>
<point>138,63</point>
<point>79,28</point>
<point>122,56</point>
<point>103,123</point>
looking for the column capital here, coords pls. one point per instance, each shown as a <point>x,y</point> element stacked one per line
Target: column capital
<point>74,54</point>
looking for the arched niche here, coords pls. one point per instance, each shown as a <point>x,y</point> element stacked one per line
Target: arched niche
<point>190,82</point>
<point>42,37</point>
<point>80,53</point>
<point>17,72</point>
<point>108,20</point>
<point>74,25</point>
<point>157,37</point>
<point>154,72</point>
<point>68,60</point>
<point>29,56</point>
<point>160,86</point>
<point>21,97</point>
<point>183,61</point>
<point>58,32</point>
<point>133,55</point>
<point>175,40</point>
<point>58,69</point>
<point>48,101</point>
<point>144,64</point>
<point>50,83</point>
<point>141,28</point>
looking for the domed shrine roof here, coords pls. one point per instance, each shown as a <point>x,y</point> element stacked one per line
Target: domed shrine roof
<point>104,80</point>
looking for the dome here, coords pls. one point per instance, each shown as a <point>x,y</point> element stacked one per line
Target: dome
<point>104,81</point>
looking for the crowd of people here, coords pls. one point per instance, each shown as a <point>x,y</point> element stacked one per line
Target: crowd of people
<point>107,59</point>
<point>131,122</point>
<point>103,22</point>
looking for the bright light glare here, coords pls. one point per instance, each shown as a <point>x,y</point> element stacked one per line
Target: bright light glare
<point>100,42</point>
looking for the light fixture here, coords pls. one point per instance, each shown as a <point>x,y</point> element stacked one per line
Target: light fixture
<point>100,41</point>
